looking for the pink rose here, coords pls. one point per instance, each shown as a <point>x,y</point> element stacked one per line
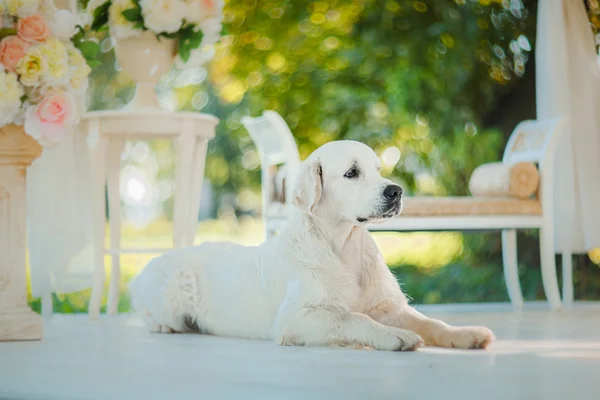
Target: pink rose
<point>209,5</point>
<point>12,49</point>
<point>33,28</point>
<point>55,108</point>
<point>49,121</point>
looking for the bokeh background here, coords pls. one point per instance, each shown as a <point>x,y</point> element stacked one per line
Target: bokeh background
<point>434,87</point>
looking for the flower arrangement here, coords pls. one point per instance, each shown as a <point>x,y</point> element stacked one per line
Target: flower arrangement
<point>194,24</point>
<point>43,68</point>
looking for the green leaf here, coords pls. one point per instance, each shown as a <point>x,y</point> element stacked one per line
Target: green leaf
<point>184,50</point>
<point>102,8</point>
<point>133,15</point>
<point>196,39</point>
<point>101,17</point>
<point>7,32</point>
<point>93,63</point>
<point>89,50</point>
<point>173,35</point>
<point>139,25</point>
<point>78,37</point>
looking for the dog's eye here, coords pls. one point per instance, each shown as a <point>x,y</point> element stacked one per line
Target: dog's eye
<point>352,173</point>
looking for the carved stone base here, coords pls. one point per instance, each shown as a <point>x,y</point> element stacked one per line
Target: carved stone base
<point>17,151</point>
<point>21,324</point>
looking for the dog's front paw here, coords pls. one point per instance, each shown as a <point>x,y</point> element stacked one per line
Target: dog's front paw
<point>470,337</point>
<point>395,339</point>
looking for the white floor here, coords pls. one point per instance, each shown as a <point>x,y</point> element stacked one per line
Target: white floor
<point>538,355</point>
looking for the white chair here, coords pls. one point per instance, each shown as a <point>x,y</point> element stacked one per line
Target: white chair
<point>276,147</point>
<point>532,141</point>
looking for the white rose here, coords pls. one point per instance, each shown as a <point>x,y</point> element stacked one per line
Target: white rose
<point>163,15</point>
<point>11,92</point>
<point>47,8</point>
<point>21,8</point>
<point>211,28</point>
<point>119,26</point>
<point>62,24</point>
<point>195,11</point>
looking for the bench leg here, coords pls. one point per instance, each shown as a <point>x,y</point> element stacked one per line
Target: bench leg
<point>511,271</point>
<point>567,267</point>
<point>549,266</point>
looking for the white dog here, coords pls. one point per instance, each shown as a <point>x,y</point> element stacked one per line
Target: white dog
<point>321,282</point>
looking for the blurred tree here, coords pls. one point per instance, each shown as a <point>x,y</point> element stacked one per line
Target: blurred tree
<point>400,73</point>
<point>416,75</point>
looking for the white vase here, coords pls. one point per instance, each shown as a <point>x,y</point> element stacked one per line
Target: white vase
<point>145,58</point>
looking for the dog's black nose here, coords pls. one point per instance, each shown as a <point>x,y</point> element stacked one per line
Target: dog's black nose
<point>392,192</point>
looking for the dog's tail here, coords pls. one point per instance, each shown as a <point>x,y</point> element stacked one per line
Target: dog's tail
<point>184,300</point>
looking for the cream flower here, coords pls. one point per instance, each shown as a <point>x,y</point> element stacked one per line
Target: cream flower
<point>21,8</point>
<point>48,8</point>
<point>163,15</point>
<point>57,59</point>
<point>195,11</point>
<point>119,26</point>
<point>32,67</point>
<point>78,70</point>
<point>62,24</point>
<point>11,92</point>
<point>211,28</point>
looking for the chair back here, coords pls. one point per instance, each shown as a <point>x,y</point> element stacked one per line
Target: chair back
<point>277,148</point>
<point>537,142</point>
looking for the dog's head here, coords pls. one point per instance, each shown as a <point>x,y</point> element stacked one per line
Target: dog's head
<point>340,181</point>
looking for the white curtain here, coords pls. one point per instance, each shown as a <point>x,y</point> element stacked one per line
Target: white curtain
<point>59,219</point>
<point>59,214</point>
<point>568,84</point>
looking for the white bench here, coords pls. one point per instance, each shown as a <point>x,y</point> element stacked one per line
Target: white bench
<point>531,141</point>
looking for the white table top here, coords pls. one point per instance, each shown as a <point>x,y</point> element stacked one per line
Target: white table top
<point>149,123</point>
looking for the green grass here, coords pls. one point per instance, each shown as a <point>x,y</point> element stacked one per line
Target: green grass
<point>424,251</point>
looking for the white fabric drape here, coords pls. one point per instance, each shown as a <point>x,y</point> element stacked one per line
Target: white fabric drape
<point>59,214</point>
<point>59,219</point>
<point>568,84</point>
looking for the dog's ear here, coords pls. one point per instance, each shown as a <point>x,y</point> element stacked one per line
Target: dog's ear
<point>309,186</point>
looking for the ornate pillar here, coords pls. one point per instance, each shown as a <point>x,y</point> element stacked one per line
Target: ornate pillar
<point>17,152</point>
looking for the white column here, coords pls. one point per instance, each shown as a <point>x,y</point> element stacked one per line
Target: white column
<point>17,151</point>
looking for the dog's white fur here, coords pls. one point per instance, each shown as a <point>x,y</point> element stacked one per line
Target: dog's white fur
<point>320,282</point>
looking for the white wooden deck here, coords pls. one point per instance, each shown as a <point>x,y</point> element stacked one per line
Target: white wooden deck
<point>538,355</point>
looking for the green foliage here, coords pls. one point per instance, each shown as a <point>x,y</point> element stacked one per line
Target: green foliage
<point>100,17</point>
<point>89,49</point>
<point>134,14</point>
<point>417,76</point>
<point>7,32</point>
<point>189,39</point>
